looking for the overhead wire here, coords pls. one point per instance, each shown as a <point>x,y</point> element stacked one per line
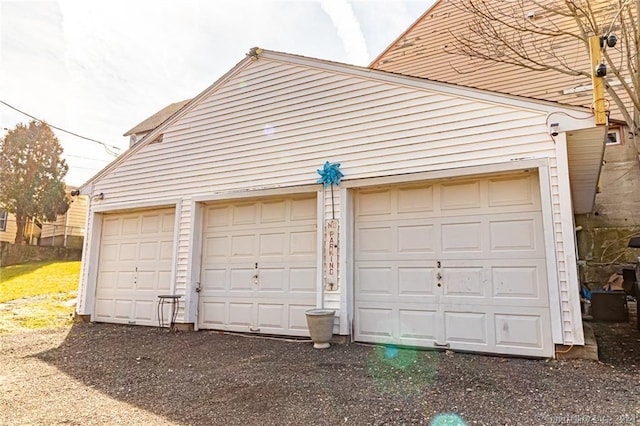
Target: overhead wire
<point>110,149</point>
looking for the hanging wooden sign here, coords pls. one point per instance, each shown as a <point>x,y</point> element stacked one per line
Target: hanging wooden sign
<point>331,254</point>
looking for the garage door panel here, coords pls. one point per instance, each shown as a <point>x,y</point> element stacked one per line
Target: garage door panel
<point>273,212</point>
<point>375,280</point>
<point>272,316</point>
<point>374,203</point>
<point>240,313</point>
<point>164,281</point>
<point>418,325</point>
<point>166,250</point>
<point>513,235</point>
<point>516,191</point>
<point>111,226</point>
<point>109,252</point>
<point>273,244</point>
<point>298,318</point>
<point>466,327</point>
<point>243,214</point>
<point>416,281</point>
<point>128,252</point>
<point>243,246</point>
<point>516,282</point>
<point>145,311</point>
<point>125,280</point>
<point>107,280</point>
<point>304,209</point>
<point>458,266</point>
<point>302,280</point>
<point>375,239</point>
<point>147,280</point>
<point>375,323</point>
<point>456,196</point>
<point>213,313</point>
<point>275,239</point>
<point>302,243</point>
<point>134,266</point>
<point>241,280</point>
<point>415,199</point>
<point>123,308</point>
<point>217,216</point>
<point>516,331</point>
<point>130,225</point>
<point>464,281</point>
<point>273,280</point>
<point>217,247</point>
<point>416,239</point>
<point>104,308</point>
<point>461,237</point>
<point>148,250</point>
<point>151,224</point>
<point>216,279</point>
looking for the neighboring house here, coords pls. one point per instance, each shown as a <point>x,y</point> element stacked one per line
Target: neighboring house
<point>8,229</point>
<point>427,50</point>
<point>455,211</point>
<point>68,229</point>
<point>138,132</point>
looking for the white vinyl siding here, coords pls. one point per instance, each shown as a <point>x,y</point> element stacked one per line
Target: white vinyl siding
<point>272,124</point>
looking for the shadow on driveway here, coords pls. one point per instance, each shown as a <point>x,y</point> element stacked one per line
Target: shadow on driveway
<point>211,378</point>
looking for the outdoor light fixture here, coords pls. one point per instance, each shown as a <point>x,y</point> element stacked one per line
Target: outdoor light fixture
<point>601,70</point>
<point>609,39</point>
<point>553,129</point>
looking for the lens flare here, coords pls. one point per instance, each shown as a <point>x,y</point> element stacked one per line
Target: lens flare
<point>269,130</point>
<point>449,419</point>
<point>402,372</point>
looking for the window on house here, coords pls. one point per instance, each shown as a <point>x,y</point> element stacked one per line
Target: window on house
<point>614,136</point>
<point>3,220</point>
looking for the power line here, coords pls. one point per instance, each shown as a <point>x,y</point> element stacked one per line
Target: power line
<point>85,158</point>
<point>108,148</point>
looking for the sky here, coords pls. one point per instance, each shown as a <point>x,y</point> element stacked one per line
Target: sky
<point>99,67</point>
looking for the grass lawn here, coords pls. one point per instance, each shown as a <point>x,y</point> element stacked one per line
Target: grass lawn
<point>37,295</point>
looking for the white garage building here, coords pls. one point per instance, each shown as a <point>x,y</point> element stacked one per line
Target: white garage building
<point>454,219</point>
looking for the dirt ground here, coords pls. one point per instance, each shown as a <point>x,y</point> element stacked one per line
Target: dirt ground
<point>99,374</point>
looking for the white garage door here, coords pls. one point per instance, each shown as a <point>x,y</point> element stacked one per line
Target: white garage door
<point>136,252</point>
<point>458,264</point>
<point>259,266</point>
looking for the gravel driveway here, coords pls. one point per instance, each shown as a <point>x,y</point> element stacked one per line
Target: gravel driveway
<point>108,374</point>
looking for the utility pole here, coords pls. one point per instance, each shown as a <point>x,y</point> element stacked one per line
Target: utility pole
<point>597,82</point>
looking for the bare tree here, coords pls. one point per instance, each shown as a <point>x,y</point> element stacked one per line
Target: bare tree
<point>542,35</point>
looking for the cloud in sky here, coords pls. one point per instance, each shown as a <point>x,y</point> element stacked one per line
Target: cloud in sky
<point>100,67</point>
<point>348,28</point>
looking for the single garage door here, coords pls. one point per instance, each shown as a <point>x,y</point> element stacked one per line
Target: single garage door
<point>456,264</point>
<point>136,252</point>
<point>259,265</point>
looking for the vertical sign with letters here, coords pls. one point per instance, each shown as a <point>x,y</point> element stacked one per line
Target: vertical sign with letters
<point>331,254</point>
